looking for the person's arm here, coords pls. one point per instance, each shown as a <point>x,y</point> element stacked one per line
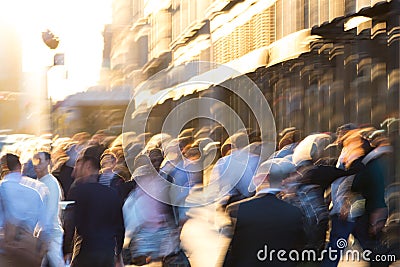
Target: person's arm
<point>45,220</point>
<point>120,230</point>
<point>54,201</point>
<point>325,175</point>
<point>371,184</point>
<point>2,211</point>
<point>229,232</point>
<point>70,222</point>
<point>179,195</point>
<point>119,261</point>
<point>230,215</point>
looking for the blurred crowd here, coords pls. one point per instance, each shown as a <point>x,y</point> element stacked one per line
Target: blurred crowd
<point>205,198</point>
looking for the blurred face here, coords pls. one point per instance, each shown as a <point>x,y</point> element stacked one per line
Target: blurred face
<point>354,146</point>
<point>156,162</point>
<point>40,164</point>
<point>156,158</point>
<point>193,154</point>
<point>97,139</point>
<point>108,162</point>
<point>79,169</point>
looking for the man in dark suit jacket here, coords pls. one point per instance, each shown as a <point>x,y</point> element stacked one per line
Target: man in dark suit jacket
<point>95,218</point>
<point>265,225</point>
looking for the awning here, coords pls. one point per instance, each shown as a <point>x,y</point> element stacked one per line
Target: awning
<point>181,90</point>
<point>284,49</point>
<point>291,46</point>
<point>245,64</point>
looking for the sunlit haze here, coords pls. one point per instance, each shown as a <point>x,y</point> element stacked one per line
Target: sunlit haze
<point>78,24</point>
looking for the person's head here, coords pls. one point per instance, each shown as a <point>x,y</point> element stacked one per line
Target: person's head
<point>226,149</point>
<point>310,149</point>
<point>341,131</point>
<point>141,160</point>
<point>88,162</point>
<point>272,172</point>
<point>41,161</point>
<point>218,134</point>
<point>189,132</point>
<point>289,136</point>
<point>239,140</point>
<point>81,138</point>
<point>193,153</point>
<point>355,145</point>
<point>202,132</point>
<point>156,158</point>
<point>172,151</point>
<point>10,163</point>
<point>97,138</point>
<point>108,160</point>
<point>185,142</point>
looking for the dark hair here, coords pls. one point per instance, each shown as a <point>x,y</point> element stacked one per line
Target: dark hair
<point>141,160</point>
<point>93,154</point>
<point>10,162</point>
<point>46,154</point>
<point>95,163</point>
<point>109,153</point>
<point>288,138</point>
<point>156,157</point>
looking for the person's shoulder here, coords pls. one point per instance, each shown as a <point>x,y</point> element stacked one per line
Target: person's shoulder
<point>246,202</point>
<point>233,208</point>
<point>35,185</point>
<point>27,181</point>
<point>289,208</point>
<point>272,198</point>
<point>50,179</point>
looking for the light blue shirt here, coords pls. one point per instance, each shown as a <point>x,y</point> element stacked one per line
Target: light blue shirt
<point>234,173</point>
<point>24,202</point>
<point>53,205</point>
<point>179,177</point>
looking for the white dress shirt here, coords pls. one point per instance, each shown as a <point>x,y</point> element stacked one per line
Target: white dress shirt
<point>24,202</point>
<point>53,205</point>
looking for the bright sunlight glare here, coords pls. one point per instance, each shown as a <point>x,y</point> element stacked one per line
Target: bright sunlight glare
<point>79,26</point>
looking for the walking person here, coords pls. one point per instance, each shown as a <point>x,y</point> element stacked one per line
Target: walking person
<point>23,205</point>
<point>41,162</point>
<point>150,227</point>
<point>362,211</point>
<point>264,222</point>
<point>95,218</point>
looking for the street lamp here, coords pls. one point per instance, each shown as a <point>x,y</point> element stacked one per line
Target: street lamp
<point>50,39</point>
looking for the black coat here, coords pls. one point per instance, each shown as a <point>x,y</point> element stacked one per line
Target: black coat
<point>95,218</point>
<point>263,221</point>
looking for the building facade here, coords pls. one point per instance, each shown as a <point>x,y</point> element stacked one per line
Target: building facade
<point>306,49</point>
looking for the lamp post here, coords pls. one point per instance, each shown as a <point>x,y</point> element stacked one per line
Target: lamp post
<point>51,41</point>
